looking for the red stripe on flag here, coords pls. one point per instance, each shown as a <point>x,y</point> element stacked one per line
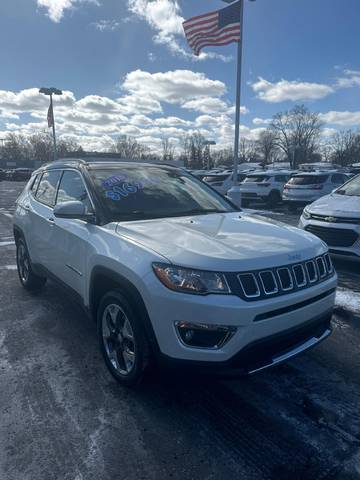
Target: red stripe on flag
<point>199,17</point>
<point>225,41</point>
<point>215,34</point>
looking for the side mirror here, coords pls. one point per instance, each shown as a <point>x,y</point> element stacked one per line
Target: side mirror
<point>73,210</point>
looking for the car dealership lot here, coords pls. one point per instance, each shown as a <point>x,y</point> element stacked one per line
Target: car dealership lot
<point>63,417</point>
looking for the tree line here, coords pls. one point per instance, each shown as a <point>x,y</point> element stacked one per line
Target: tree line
<point>295,136</point>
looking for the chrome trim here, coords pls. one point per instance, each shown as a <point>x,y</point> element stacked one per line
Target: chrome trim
<point>331,269</point>
<point>276,290</point>
<point>320,259</point>
<point>258,294</point>
<point>280,281</point>
<point>315,270</point>
<point>292,353</point>
<point>229,332</point>
<point>74,270</point>
<point>304,273</point>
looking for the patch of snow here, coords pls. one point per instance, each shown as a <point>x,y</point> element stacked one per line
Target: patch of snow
<point>6,244</point>
<point>348,299</point>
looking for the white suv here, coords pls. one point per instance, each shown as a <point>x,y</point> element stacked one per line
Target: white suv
<point>265,186</point>
<point>335,219</point>
<point>170,270</point>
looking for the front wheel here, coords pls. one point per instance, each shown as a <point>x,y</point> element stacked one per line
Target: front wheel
<point>273,199</point>
<point>29,280</point>
<point>123,343</point>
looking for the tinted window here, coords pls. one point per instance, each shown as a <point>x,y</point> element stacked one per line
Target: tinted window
<point>72,188</point>
<point>216,178</point>
<point>133,193</point>
<point>352,188</point>
<point>338,179</point>
<point>257,178</point>
<point>281,178</point>
<point>46,192</point>
<point>308,179</point>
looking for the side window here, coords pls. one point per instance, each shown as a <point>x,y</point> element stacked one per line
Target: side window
<point>46,192</point>
<point>281,178</point>
<point>35,183</point>
<point>72,188</point>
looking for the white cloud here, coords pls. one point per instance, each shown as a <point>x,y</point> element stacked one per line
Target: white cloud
<point>261,121</point>
<point>293,91</point>
<point>351,79</point>
<point>176,86</point>
<point>107,25</point>
<point>56,8</point>
<point>164,16</point>
<point>344,119</point>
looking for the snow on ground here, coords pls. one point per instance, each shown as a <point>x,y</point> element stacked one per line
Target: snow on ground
<point>348,299</point>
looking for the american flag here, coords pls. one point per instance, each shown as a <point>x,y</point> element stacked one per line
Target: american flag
<point>215,28</point>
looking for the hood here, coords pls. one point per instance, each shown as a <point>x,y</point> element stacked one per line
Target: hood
<point>224,242</point>
<point>336,206</point>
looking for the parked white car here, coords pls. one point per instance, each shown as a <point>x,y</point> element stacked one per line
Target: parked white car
<point>222,182</point>
<point>335,218</point>
<point>170,271</point>
<point>264,186</point>
<point>305,188</point>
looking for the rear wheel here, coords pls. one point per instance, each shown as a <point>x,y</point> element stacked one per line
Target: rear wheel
<point>28,278</point>
<point>123,342</point>
<point>292,208</point>
<point>273,199</point>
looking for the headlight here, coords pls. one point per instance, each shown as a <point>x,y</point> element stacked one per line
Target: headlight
<point>191,281</point>
<point>306,214</point>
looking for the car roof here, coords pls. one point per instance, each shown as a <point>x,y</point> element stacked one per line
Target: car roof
<point>101,162</point>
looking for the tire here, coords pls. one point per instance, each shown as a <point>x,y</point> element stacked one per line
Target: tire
<point>122,339</point>
<point>273,199</point>
<point>28,279</point>
<point>292,208</point>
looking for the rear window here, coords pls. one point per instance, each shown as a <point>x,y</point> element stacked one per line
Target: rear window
<point>215,178</point>
<point>257,178</point>
<point>308,179</point>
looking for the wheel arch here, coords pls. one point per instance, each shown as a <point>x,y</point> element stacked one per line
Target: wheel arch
<point>103,280</point>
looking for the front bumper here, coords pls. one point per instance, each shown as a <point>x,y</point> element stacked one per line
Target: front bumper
<point>338,243</point>
<point>265,353</point>
<point>254,321</point>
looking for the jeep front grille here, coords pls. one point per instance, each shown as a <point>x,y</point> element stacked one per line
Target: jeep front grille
<point>262,284</point>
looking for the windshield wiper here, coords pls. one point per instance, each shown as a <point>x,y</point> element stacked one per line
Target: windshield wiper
<point>200,211</point>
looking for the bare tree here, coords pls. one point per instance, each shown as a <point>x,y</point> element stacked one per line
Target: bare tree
<point>297,133</point>
<point>168,150</point>
<point>15,148</point>
<point>345,146</point>
<point>267,147</point>
<point>193,150</point>
<point>129,148</point>
<point>247,151</point>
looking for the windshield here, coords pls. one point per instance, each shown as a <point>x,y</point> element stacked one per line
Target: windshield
<point>352,189</point>
<point>138,193</point>
<point>308,179</point>
<point>257,178</point>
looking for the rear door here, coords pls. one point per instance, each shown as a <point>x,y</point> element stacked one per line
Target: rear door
<point>71,237</point>
<point>42,219</point>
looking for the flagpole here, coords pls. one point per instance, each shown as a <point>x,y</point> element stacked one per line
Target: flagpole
<point>238,95</point>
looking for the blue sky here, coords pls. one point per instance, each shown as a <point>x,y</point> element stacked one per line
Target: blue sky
<point>126,68</point>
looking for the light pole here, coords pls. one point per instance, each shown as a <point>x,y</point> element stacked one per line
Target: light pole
<point>50,117</point>
<point>208,143</point>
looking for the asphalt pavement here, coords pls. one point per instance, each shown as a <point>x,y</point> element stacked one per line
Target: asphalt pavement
<point>63,417</point>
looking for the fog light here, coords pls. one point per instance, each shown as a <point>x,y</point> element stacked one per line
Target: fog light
<point>203,335</point>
